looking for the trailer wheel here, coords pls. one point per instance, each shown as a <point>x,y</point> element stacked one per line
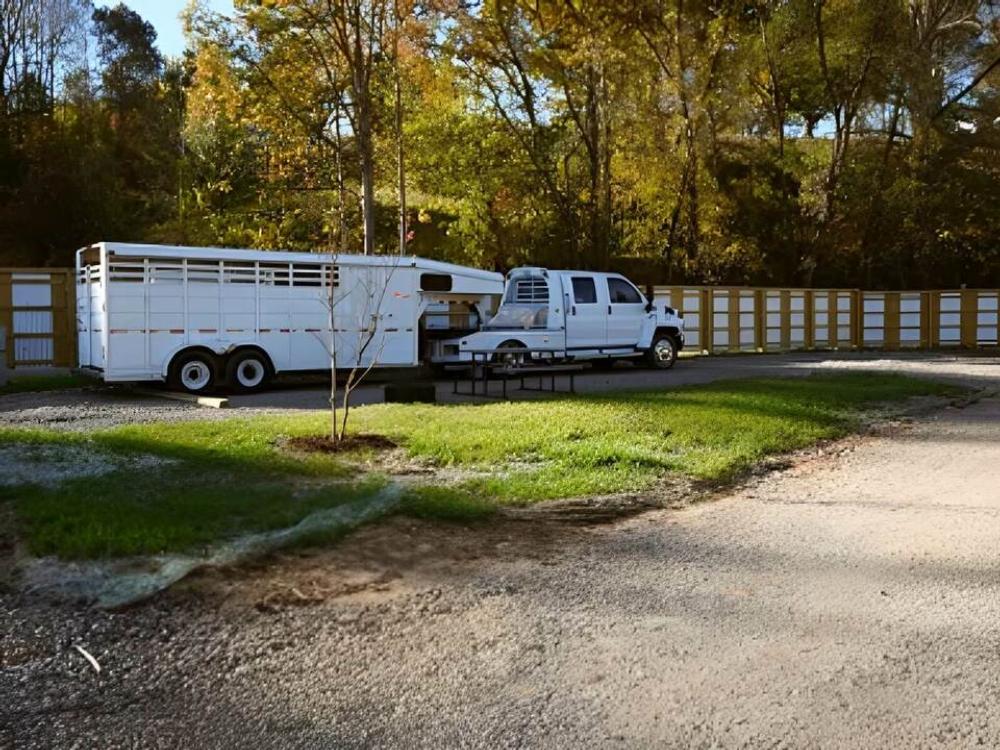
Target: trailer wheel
<point>193,372</point>
<point>248,371</point>
<point>663,352</point>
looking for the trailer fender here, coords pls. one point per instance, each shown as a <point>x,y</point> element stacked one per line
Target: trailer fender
<point>217,349</point>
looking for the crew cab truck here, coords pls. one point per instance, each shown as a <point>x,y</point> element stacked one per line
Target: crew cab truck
<point>203,317</point>
<point>580,315</point>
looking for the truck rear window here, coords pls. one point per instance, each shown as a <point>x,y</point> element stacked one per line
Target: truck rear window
<point>533,289</point>
<point>584,290</point>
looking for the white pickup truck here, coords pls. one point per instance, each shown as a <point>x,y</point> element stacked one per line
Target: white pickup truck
<point>579,315</point>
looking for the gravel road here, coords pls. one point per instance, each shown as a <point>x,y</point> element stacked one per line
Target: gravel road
<point>98,408</point>
<point>851,600</point>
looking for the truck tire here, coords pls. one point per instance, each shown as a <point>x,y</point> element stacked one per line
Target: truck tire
<point>193,372</point>
<point>662,353</point>
<point>248,371</point>
<point>509,358</point>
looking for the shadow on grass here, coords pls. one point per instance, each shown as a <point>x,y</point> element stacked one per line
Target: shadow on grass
<point>219,478</point>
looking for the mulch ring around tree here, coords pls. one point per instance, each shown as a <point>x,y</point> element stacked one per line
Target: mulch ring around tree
<point>324,444</point>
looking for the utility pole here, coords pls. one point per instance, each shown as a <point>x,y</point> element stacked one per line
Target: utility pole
<point>400,153</point>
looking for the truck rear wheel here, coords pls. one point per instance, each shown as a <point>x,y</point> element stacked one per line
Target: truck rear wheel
<point>662,354</point>
<point>514,357</point>
<point>248,371</point>
<point>193,372</point>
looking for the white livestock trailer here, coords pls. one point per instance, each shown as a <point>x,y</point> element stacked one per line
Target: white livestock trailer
<point>202,317</point>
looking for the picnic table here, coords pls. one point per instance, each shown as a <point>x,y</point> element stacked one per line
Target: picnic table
<point>484,367</point>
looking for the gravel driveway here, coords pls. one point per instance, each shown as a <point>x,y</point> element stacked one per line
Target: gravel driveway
<point>92,409</point>
<point>852,600</point>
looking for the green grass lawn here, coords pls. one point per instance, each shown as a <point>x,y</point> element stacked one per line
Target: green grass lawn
<point>53,382</point>
<point>221,478</point>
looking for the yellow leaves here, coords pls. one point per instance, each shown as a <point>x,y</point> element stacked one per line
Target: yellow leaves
<point>214,91</point>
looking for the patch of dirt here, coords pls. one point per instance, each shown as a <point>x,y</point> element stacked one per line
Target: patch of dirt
<point>380,562</point>
<point>323,443</point>
<point>304,593</point>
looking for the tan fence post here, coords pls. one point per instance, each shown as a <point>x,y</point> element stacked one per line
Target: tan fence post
<point>677,299</point>
<point>707,321</point>
<point>7,315</point>
<point>926,332</point>
<point>891,321</point>
<point>969,315</point>
<point>857,319</point>
<point>760,320</point>
<point>833,319</point>
<point>734,320</point>
<point>809,320</point>
<point>786,320</point>
<point>60,284</point>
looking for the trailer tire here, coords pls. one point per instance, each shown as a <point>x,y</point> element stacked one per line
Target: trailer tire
<point>662,352</point>
<point>248,371</point>
<point>193,371</point>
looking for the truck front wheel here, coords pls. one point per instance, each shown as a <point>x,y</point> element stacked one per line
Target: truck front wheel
<point>663,352</point>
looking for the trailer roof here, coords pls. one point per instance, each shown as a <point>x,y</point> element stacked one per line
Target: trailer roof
<point>219,253</point>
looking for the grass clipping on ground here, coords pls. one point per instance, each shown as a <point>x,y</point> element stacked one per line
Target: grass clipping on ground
<point>199,482</point>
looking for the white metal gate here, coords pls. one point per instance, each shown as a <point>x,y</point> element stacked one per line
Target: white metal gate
<point>32,331</point>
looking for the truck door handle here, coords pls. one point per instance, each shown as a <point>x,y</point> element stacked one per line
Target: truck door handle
<point>573,310</point>
<point>609,309</point>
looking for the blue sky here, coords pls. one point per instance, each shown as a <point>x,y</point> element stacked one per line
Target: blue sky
<point>164,15</point>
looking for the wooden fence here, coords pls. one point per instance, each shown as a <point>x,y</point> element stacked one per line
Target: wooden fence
<point>38,316</point>
<point>740,319</point>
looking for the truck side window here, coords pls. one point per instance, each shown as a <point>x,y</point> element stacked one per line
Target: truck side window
<point>584,291</point>
<point>622,293</point>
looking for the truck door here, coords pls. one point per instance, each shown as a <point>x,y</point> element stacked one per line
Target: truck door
<point>626,312</point>
<point>586,321</point>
